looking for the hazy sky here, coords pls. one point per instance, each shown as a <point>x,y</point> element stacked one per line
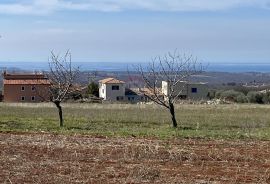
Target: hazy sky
<point>135,30</point>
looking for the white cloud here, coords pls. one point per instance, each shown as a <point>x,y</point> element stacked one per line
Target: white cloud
<point>41,7</point>
<point>50,6</point>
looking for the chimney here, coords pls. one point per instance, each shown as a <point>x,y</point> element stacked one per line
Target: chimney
<point>4,73</point>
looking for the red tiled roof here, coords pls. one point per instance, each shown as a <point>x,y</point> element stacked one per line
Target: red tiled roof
<point>111,81</point>
<point>19,76</point>
<point>26,81</point>
<point>147,91</point>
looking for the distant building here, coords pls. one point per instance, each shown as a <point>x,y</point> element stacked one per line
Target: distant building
<point>135,95</point>
<point>111,89</point>
<point>25,88</point>
<point>187,90</point>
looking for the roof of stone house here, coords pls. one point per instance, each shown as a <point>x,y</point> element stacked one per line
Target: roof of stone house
<point>130,92</point>
<point>147,91</point>
<point>21,76</point>
<point>78,87</point>
<point>190,82</point>
<point>111,81</point>
<point>26,82</point>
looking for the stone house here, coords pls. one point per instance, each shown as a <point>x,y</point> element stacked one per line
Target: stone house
<point>25,87</point>
<point>187,90</point>
<point>111,89</point>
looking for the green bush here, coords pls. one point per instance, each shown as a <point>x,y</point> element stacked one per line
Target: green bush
<point>266,97</point>
<point>218,93</point>
<point>255,97</point>
<point>234,96</point>
<point>241,98</point>
<point>211,94</point>
<point>93,89</point>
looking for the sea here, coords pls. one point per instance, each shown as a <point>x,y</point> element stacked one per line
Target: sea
<point>122,67</point>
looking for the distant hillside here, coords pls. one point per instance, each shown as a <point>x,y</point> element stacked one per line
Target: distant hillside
<point>212,78</point>
<point>122,66</point>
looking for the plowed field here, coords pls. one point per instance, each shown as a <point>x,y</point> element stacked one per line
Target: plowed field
<point>52,158</point>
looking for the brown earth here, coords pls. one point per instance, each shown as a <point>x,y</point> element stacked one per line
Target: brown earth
<point>51,158</point>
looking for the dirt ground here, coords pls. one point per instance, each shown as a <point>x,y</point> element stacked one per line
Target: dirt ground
<point>51,158</point>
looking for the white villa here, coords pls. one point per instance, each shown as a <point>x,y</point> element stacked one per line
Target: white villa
<point>111,89</point>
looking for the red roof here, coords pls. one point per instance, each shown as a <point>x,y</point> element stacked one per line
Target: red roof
<point>24,76</point>
<point>26,82</point>
<point>111,81</point>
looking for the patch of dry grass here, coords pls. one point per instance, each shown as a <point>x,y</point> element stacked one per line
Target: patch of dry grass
<point>221,121</point>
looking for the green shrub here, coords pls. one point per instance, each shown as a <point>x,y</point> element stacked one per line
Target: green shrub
<point>266,97</point>
<point>93,89</point>
<point>218,93</point>
<point>241,98</point>
<point>242,89</point>
<point>255,97</point>
<point>211,94</point>
<point>234,96</point>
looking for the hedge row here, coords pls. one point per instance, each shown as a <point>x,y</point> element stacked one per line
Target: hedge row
<point>240,97</point>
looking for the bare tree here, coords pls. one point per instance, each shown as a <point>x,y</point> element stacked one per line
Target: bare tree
<point>61,76</point>
<point>172,68</point>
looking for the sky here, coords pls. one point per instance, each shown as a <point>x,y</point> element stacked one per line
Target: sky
<point>229,31</point>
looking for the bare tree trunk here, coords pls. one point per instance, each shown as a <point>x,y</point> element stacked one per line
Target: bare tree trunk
<point>171,108</point>
<point>57,103</point>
